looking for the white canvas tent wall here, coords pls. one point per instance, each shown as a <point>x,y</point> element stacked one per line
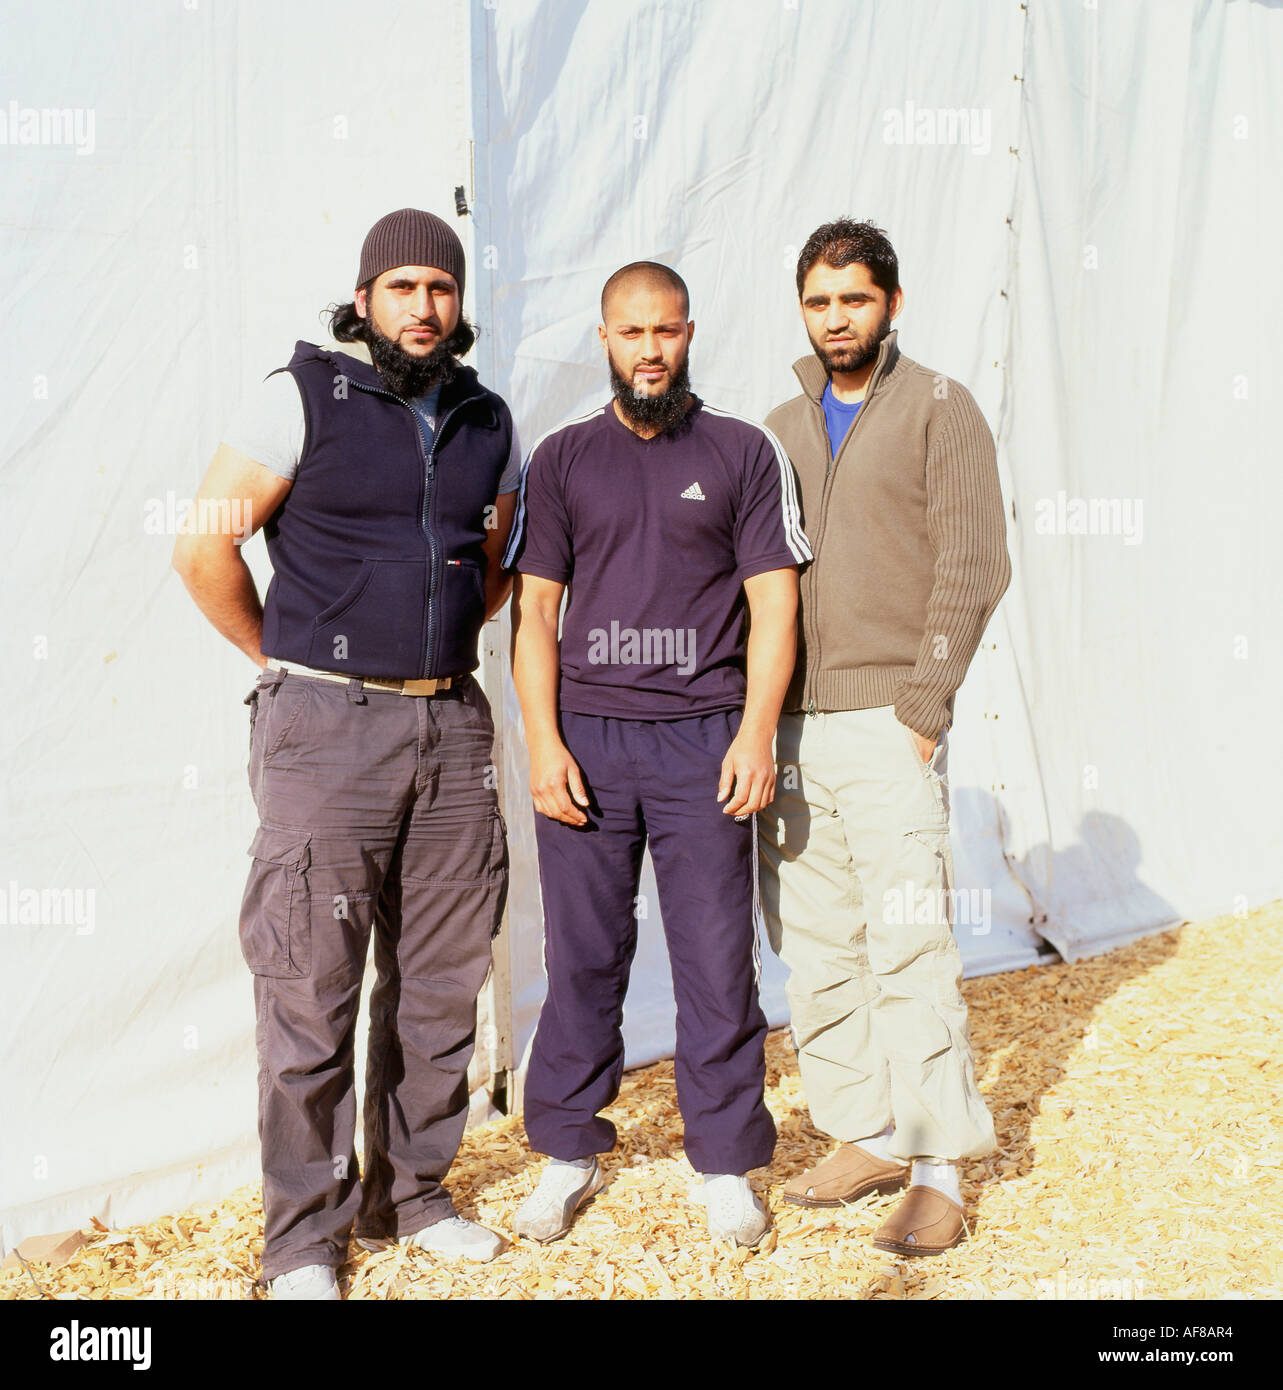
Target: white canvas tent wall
<point>1092,252</point>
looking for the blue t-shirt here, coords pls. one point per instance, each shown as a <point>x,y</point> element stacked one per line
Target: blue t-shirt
<point>838,417</point>
<point>654,539</point>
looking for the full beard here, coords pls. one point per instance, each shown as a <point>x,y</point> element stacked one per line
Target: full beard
<point>404,375</point>
<point>858,355</point>
<point>665,412</point>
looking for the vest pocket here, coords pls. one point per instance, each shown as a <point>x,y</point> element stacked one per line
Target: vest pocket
<point>375,627</point>
<point>275,925</point>
<point>460,615</point>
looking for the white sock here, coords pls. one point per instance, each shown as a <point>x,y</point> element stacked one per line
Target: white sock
<point>879,1145</point>
<point>583,1163</point>
<point>938,1173</point>
<point>697,1193</point>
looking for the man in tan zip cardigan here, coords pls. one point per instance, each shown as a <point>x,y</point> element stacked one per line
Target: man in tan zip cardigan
<point>901,503</point>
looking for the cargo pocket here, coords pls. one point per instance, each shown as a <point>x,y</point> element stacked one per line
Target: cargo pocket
<point>499,845</point>
<point>276,927</point>
<point>932,775</point>
<point>252,701</point>
<point>498,872</point>
<point>911,738</point>
<point>265,680</point>
<point>475,698</point>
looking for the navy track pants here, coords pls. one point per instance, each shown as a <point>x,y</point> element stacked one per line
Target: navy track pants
<point>656,780</point>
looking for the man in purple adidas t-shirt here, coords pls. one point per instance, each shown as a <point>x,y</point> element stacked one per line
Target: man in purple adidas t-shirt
<point>652,720</point>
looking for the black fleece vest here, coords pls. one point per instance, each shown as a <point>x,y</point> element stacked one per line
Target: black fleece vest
<point>376,551</point>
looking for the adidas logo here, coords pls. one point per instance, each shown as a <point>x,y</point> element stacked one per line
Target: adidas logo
<point>694,493</point>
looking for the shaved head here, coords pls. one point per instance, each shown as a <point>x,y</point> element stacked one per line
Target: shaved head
<point>646,331</point>
<point>649,276</point>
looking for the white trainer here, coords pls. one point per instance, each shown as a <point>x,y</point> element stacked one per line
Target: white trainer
<point>455,1237</point>
<point>735,1215</point>
<point>311,1282</point>
<point>458,1239</point>
<point>551,1207</point>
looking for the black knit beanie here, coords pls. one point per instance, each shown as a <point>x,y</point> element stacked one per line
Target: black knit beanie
<point>410,237</point>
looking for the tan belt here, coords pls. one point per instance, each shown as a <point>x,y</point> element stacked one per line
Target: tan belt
<point>416,687</point>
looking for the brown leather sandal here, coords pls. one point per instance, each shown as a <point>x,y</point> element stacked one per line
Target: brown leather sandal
<point>845,1176</point>
<point>925,1223</point>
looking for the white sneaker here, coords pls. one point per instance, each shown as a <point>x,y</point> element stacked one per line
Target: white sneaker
<point>458,1239</point>
<point>551,1207</point>
<point>311,1281</point>
<point>735,1215</point>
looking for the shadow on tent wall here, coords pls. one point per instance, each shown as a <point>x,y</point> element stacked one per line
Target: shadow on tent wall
<point>1089,897</point>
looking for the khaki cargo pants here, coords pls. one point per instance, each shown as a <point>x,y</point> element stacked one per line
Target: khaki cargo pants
<point>379,818</point>
<point>856,885</point>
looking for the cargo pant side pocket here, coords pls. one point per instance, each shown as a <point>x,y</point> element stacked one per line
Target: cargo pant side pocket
<point>498,870</point>
<point>252,701</point>
<point>275,925</point>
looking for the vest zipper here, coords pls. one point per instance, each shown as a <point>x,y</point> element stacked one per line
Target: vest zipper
<point>429,468</point>
<point>429,648</point>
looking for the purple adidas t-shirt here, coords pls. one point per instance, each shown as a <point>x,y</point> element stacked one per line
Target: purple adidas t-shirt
<point>654,539</point>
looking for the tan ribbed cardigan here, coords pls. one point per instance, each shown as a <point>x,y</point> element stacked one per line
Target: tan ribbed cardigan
<point>909,537</point>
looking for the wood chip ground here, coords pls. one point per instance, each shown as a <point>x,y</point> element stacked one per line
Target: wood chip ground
<point>1136,1098</point>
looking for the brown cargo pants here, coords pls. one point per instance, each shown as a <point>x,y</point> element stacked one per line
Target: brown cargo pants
<point>376,810</point>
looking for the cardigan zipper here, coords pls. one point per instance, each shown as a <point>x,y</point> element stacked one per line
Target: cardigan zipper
<point>817,415</point>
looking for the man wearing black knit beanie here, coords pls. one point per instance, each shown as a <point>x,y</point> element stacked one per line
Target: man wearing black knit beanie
<point>384,476</point>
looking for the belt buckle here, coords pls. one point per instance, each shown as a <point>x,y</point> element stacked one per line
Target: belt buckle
<point>428,686</point>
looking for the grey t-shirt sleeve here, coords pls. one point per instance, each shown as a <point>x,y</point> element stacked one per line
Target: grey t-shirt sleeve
<point>270,425</point>
<point>511,479</point>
